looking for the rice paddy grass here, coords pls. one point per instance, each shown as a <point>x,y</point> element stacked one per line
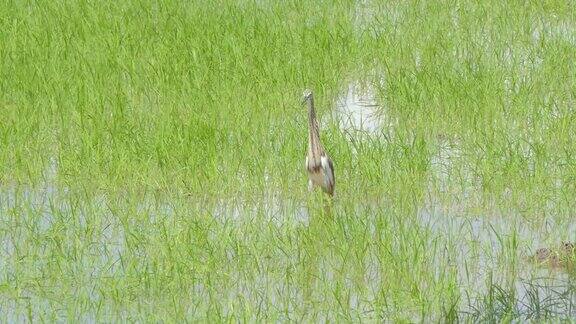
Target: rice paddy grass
<point>151,161</point>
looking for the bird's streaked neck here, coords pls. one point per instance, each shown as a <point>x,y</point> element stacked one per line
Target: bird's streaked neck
<point>314,133</point>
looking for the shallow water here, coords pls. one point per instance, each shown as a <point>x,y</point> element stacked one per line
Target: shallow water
<point>360,116</point>
<point>561,30</point>
<point>494,251</point>
<point>488,250</point>
<point>357,110</point>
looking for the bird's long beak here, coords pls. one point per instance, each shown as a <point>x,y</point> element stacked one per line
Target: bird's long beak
<point>303,101</point>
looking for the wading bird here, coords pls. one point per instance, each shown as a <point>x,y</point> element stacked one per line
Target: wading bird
<point>318,164</point>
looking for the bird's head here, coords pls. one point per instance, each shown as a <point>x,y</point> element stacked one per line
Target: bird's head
<point>307,96</point>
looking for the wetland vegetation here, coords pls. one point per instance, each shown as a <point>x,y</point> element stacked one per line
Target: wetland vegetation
<point>152,152</point>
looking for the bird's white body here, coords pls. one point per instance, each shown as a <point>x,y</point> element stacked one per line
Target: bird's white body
<point>324,178</point>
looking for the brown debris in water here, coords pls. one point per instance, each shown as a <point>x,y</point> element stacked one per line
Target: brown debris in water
<point>561,257</point>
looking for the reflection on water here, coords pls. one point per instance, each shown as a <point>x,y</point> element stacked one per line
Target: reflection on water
<point>368,16</point>
<point>539,298</point>
<point>442,162</point>
<point>562,30</point>
<point>274,208</point>
<point>488,251</point>
<point>492,255</point>
<point>357,110</point>
<point>359,114</point>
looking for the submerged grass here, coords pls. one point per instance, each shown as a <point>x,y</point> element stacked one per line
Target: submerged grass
<point>152,152</point>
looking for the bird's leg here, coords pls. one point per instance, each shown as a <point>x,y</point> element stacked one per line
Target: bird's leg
<point>327,201</point>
